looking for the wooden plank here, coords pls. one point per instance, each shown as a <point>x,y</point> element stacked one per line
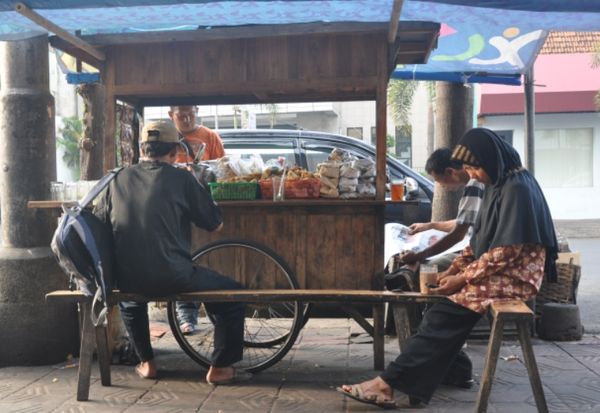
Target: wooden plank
<point>86,353</point>
<point>273,295</point>
<point>532,370</point>
<point>236,87</point>
<point>258,31</point>
<point>61,44</point>
<point>347,269</point>
<point>321,255</point>
<point>509,310</point>
<point>301,222</point>
<point>491,359</point>
<point>394,20</point>
<point>60,32</point>
<point>381,125</point>
<point>108,78</point>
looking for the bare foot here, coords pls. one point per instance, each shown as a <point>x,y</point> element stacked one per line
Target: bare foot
<point>146,369</point>
<point>374,387</point>
<point>217,374</point>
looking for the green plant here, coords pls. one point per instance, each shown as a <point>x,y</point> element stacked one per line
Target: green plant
<point>390,142</point>
<point>70,135</point>
<point>400,95</point>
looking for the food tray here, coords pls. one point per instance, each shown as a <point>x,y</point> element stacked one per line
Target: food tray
<point>294,189</point>
<point>221,191</point>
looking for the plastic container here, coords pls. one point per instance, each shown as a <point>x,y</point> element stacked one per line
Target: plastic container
<point>221,191</point>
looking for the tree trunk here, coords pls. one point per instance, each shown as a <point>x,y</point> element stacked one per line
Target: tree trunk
<point>91,146</point>
<point>454,114</point>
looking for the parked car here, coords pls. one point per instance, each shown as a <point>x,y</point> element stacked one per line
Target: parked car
<point>309,148</point>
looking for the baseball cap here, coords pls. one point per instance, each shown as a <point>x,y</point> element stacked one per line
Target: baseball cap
<point>160,131</point>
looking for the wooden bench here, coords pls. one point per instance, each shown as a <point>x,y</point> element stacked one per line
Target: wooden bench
<point>522,315</point>
<point>96,337</point>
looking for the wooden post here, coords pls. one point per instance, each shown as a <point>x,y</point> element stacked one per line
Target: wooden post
<point>108,79</point>
<point>91,146</point>
<point>381,124</point>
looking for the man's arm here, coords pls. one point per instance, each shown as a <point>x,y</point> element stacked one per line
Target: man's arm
<point>445,226</point>
<point>454,236</point>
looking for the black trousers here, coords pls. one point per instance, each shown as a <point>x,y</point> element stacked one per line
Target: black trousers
<point>430,353</point>
<point>228,318</point>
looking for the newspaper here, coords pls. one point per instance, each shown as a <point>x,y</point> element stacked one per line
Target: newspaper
<point>398,238</point>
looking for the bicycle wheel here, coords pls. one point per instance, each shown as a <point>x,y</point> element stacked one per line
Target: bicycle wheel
<point>270,329</point>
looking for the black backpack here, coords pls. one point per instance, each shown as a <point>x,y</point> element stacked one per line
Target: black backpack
<point>84,248</point>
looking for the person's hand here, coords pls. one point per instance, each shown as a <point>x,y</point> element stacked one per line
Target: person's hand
<point>410,257</point>
<point>418,227</point>
<point>449,285</point>
<point>441,276</point>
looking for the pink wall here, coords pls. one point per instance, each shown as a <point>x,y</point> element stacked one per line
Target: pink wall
<point>558,73</point>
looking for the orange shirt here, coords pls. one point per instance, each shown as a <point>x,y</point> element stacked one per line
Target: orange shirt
<point>202,134</point>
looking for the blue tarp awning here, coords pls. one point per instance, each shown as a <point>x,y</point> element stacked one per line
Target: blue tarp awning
<point>480,40</point>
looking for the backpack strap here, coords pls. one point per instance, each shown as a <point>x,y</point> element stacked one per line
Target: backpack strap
<point>99,187</point>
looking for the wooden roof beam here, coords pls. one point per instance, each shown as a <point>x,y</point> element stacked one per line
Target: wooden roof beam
<point>395,21</point>
<point>24,10</point>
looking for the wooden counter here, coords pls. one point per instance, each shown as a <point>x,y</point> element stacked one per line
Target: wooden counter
<point>328,243</point>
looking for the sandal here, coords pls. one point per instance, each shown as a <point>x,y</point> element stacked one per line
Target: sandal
<point>357,393</point>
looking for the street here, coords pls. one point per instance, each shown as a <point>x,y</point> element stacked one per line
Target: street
<point>588,295</point>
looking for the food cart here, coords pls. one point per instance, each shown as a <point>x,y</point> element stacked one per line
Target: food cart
<point>328,244</point>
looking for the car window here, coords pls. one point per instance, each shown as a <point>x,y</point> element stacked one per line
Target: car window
<point>266,150</point>
<point>317,153</point>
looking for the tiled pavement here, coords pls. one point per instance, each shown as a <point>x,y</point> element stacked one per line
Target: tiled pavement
<point>326,355</point>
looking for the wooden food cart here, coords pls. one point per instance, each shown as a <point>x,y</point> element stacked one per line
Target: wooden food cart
<point>329,244</point>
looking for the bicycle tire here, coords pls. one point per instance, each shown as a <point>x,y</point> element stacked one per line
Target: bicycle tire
<point>282,320</point>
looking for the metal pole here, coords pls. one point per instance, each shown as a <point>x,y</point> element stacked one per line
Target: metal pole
<point>529,122</point>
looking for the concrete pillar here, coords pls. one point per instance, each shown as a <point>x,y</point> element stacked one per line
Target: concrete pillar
<point>33,332</point>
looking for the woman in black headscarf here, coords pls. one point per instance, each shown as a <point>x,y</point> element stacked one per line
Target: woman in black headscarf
<point>514,244</point>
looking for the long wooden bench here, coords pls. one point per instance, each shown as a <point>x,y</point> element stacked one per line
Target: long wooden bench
<point>96,337</point>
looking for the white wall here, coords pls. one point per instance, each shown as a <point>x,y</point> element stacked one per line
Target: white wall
<point>67,103</point>
<point>565,203</point>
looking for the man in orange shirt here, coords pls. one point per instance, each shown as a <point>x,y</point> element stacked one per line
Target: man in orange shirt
<point>184,118</point>
<point>195,135</point>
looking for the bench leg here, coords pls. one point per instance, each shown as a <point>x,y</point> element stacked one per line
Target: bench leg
<point>103,355</point>
<point>358,317</point>
<point>534,375</point>
<point>378,336</point>
<point>86,352</point>
<point>490,365</point>
<point>402,323</point>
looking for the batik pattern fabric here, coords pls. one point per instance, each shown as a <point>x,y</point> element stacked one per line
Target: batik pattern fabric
<point>502,273</point>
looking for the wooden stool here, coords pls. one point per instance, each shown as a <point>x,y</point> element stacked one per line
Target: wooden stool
<point>518,312</point>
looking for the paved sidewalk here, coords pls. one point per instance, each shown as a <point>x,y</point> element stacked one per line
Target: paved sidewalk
<point>328,353</point>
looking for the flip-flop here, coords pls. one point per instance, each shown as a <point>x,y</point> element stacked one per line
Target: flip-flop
<point>239,376</point>
<point>356,392</point>
<point>142,375</point>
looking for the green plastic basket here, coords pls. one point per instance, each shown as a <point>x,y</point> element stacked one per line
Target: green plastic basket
<point>221,191</point>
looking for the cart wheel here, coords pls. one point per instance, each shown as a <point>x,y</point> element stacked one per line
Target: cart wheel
<point>270,329</point>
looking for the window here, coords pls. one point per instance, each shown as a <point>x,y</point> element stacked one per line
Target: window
<point>266,151</point>
<point>404,145</point>
<point>355,132</point>
<point>507,135</point>
<point>563,157</point>
<point>373,136</point>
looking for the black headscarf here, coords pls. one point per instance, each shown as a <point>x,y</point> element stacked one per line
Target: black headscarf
<point>514,210</point>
